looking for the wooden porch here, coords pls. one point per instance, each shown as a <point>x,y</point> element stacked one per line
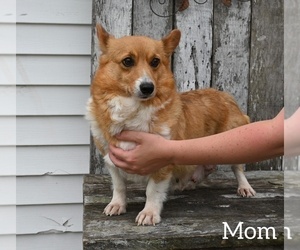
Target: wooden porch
<point>190,219</point>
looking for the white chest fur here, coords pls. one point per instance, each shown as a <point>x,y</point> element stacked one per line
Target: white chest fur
<point>127,113</point>
<point>131,114</point>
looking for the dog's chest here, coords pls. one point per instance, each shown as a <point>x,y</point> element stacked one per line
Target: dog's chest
<point>130,114</point>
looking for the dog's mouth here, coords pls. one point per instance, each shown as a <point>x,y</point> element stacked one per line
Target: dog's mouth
<point>146,91</point>
<point>145,97</point>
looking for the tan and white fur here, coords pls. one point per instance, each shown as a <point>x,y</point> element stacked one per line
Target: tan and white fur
<point>134,89</point>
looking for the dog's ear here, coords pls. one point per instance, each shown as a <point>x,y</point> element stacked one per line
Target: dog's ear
<point>103,37</point>
<point>171,41</point>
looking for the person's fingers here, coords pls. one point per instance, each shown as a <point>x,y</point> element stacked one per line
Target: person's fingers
<point>132,136</point>
<point>116,161</point>
<point>121,164</point>
<point>116,152</point>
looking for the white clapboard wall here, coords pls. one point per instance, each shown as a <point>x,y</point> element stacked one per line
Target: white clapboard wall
<point>44,138</point>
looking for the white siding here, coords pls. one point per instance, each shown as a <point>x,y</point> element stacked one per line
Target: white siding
<point>52,130</point>
<point>7,69</point>
<point>71,69</point>
<point>7,127</point>
<point>8,160</point>
<point>53,39</point>
<point>44,138</point>
<point>7,130</point>
<point>52,189</point>
<point>7,193</point>
<point>8,218</point>
<point>46,100</point>
<point>66,241</point>
<point>36,160</point>
<point>54,11</point>
<point>59,218</point>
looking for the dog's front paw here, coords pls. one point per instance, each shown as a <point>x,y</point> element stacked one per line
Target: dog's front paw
<point>147,217</point>
<point>115,208</point>
<point>246,191</point>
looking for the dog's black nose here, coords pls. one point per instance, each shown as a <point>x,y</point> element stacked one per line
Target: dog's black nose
<point>147,88</point>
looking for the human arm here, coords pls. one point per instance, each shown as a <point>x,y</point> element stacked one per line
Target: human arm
<point>249,143</point>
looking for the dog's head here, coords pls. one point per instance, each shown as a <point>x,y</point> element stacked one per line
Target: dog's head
<point>136,66</point>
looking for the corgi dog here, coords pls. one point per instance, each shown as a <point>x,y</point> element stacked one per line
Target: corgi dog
<point>134,89</point>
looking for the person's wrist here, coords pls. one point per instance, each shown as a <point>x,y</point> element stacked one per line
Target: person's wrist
<point>171,152</point>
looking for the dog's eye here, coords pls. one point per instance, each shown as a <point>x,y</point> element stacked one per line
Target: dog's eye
<point>155,62</point>
<point>128,62</point>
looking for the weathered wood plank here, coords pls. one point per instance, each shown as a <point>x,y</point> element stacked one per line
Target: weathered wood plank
<point>266,62</point>
<point>190,220</point>
<point>291,57</point>
<point>266,65</point>
<point>192,60</point>
<point>291,68</point>
<point>106,13</point>
<point>231,49</point>
<point>146,23</point>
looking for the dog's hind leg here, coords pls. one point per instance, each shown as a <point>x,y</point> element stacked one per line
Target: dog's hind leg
<point>117,205</point>
<point>244,188</point>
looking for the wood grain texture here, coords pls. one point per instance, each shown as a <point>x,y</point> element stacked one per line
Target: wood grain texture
<point>266,62</point>
<point>192,59</point>
<point>190,219</point>
<point>146,23</point>
<point>266,90</point>
<point>291,68</point>
<point>231,53</point>
<point>291,57</point>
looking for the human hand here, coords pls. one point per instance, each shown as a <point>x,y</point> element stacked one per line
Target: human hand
<point>151,153</point>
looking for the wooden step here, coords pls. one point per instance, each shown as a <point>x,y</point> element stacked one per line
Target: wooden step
<point>191,219</point>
